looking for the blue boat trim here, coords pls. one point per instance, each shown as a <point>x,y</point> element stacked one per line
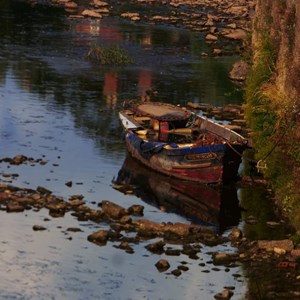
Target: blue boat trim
<point>196,150</point>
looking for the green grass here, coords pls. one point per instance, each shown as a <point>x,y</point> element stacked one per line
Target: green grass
<point>113,55</point>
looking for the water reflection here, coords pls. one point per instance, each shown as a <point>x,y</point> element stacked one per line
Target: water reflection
<point>204,204</point>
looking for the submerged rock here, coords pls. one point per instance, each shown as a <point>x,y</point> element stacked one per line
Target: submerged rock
<point>224,295</point>
<point>112,209</point>
<point>162,265</point>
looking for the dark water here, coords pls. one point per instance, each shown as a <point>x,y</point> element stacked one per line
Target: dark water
<point>56,105</point>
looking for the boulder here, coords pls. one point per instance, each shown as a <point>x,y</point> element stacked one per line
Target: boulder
<point>114,210</point>
<point>99,237</point>
<point>287,245</point>
<point>157,247</point>
<point>224,295</point>
<point>237,34</point>
<point>211,37</point>
<point>91,13</point>
<point>162,265</point>
<point>239,71</point>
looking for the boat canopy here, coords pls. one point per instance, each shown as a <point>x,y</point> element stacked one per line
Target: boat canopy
<point>162,111</point>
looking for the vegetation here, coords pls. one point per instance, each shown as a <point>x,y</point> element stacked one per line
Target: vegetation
<point>113,55</point>
<point>272,116</point>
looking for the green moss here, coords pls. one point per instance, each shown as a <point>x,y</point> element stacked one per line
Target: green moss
<point>109,55</point>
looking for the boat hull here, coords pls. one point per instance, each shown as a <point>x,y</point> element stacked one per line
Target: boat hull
<point>199,164</point>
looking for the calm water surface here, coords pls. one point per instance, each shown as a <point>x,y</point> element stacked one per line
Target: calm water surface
<point>56,105</point>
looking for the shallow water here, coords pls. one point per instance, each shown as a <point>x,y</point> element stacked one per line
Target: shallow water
<point>56,105</point>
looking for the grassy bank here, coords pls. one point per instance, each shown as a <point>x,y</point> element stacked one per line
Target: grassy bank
<point>273,115</point>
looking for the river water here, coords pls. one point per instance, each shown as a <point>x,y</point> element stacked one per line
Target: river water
<point>58,106</point>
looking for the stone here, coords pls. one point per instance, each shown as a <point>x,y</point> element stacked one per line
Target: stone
<point>287,245</point>
<point>295,252</point>
<point>74,229</point>
<point>211,37</point>
<point>236,233</point>
<point>217,51</point>
<point>237,34</point>
<point>19,159</point>
<point>239,71</point>
<point>157,247</point>
<point>162,265</point>
<point>38,228</point>
<point>99,237</point>
<point>224,295</point>
<point>136,210</point>
<point>99,3</point>
<point>279,251</point>
<point>14,207</point>
<point>183,268</point>
<point>223,258</point>
<point>43,190</point>
<point>71,4</point>
<point>91,13</point>
<point>112,209</point>
<point>176,272</point>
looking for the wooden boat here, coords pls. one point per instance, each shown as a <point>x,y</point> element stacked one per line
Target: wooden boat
<point>180,143</point>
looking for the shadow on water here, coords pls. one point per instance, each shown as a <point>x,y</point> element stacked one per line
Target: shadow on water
<point>202,204</point>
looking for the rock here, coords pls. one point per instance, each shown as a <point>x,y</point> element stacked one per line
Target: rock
<point>38,228</point>
<point>162,265</point>
<point>74,229</point>
<point>239,71</point>
<point>211,37</point>
<point>91,13</point>
<point>172,252</point>
<point>295,252</point>
<point>131,16</point>
<point>217,51</point>
<point>176,272</point>
<point>43,190</point>
<point>224,295</point>
<point>69,183</point>
<point>125,220</point>
<point>157,247</point>
<point>14,207</point>
<point>112,209</point>
<point>99,237</point>
<point>236,233</point>
<point>231,25</point>
<point>273,224</point>
<point>183,268</point>
<point>98,3</point>
<point>19,159</point>
<point>279,251</point>
<point>223,258</point>
<point>287,245</point>
<point>136,210</point>
<point>71,4</point>
<point>236,34</point>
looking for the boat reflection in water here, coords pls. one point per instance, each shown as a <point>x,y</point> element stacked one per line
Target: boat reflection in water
<point>202,204</point>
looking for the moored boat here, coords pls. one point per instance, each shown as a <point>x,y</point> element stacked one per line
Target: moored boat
<point>180,143</point>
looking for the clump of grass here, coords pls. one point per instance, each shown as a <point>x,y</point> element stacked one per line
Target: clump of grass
<point>112,55</point>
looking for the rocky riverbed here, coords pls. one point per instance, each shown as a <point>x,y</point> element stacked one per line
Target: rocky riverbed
<point>126,228</point>
<point>225,24</point>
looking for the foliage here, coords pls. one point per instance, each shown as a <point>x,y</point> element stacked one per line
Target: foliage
<point>108,55</point>
<point>272,116</point>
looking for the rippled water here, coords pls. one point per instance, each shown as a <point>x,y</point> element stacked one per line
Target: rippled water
<point>56,105</point>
